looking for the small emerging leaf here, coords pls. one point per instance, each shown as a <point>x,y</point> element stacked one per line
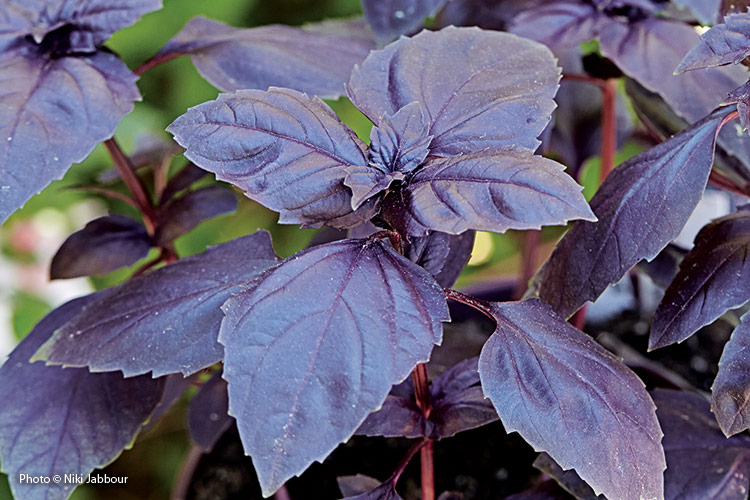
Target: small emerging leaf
<point>166,321</point>
<point>713,278</point>
<point>105,244</point>
<point>391,19</point>
<point>207,413</point>
<point>75,421</point>
<point>183,214</point>
<point>301,350</point>
<point>568,396</point>
<point>725,43</point>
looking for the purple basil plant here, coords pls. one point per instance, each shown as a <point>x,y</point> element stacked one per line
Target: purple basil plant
<point>303,353</point>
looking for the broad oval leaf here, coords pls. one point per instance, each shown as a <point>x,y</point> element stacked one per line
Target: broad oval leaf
<point>207,413</point>
<point>702,462</point>
<point>496,91</point>
<point>75,421</point>
<point>642,206</point>
<point>322,337</point>
<point>285,150</point>
<point>105,244</point>
<point>568,396</point>
<point>315,60</point>
<point>389,20</point>
<point>730,400</point>
<point>725,43</point>
<point>183,214</point>
<point>492,192</point>
<point>166,321</point>
<point>713,278</point>
<point>52,114</point>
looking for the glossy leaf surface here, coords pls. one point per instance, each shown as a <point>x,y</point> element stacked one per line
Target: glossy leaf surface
<point>75,421</point>
<point>166,321</point>
<point>301,350</point>
<point>53,112</point>
<point>702,462</point>
<point>185,213</point>
<point>283,149</point>
<point>725,43</point>
<point>642,206</point>
<point>568,396</point>
<point>497,92</point>
<point>458,404</point>
<point>730,400</point>
<point>492,192</point>
<point>389,20</point>
<point>315,61</point>
<point>207,413</point>
<point>713,278</point>
<point>105,244</point>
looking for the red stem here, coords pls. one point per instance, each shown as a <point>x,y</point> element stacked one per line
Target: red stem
<point>407,458</point>
<point>529,258</point>
<point>422,395</point>
<point>155,61</point>
<point>480,305</point>
<point>426,458</point>
<point>140,195</point>
<point>573,77</point>
<point>609,127</point>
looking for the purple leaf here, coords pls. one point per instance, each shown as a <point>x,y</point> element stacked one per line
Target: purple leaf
<point>442,255</point>
<point>285,150</point>
<point>730,397</point>
<point>182,180</point>
<point>649,50</point>
<point>166,321</point>
<point>301,350</point>
<point>459,254</point>
<point>385,491</point>
<point>105,244</point>
<point>567,479</point>
<point>492,192</point>
<point>51,420</point>
<point>356,485</point>
<point>53,112</point>
<point>496,92</point>
<point>642,206</point>
<point>95,18</point>
<point>705,11</point>
<point>400,142</point>
<point>394,18</point>
<point>568,396</point>
<point>561,24</point>
<point>183,214</point>
<point>399,416</point>
<point>741,97</point>
<point>725,43</point>
<point>702,462</point>
<point>207,413</point>
<point>315,60</point>
<point>713,278</point>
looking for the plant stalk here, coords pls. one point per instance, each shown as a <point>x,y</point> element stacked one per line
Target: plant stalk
<point>422,395</point>
<point>609,128</point>
<point>529,257</point>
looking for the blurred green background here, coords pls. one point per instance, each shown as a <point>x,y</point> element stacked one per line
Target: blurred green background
<point>32,235</point>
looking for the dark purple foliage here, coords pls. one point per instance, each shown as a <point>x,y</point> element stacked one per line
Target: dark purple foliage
<point>741,97</point>
<point>185,178</point>
<point>567,479</point>
<point>312,60</point>
<point>701,462</point>
<point>443,255</point>
<point>166,321</point>
<point>642,206</point>
<point>183,214</point>
<point>725,43</point>
<point>301,350</point>
<point>76,420</point>
<point>356,485</point>
<point>105,244</point>
<point>385,491</point>
<point>457,404</point>
<point>713,278</point>
<point>568,396</point>
<point>53,113</point>
<point>730,400</point>
<point>207,413</point>
<point>393,18</point>
<point>705,11</point>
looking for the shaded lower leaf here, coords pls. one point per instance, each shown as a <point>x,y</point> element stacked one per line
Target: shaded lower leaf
<point>322,337</point>
<point>389,20</point>
<point>702,464</point>
<point>207,413</point>
<point>493,192</point>
<point>567,479</point>
<point>730,400</point>
<point>54,111</point>
<point>165,321</point>
<point>65,421</point>
<point>356,485</point>
<point>568,396</point>
<point>183,214</point>
<point>386,491</point>
<point>642,206</point>
<point>713,278</point>
<point>105,244</point>
<point>741,97</point>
